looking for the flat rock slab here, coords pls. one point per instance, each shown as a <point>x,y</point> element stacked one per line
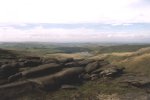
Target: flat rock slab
<point>137,81</point>
<point>68,87</point>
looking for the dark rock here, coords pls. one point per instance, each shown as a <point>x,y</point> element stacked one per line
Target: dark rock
<point>85,77</point>
<point>97,71</point>
<point>65,60</point>
<point>9,66</point>
<point>92,66</point>
<point>15,85</point>
<point>21,64</point>
<point>50,60</point>
<point>21,60</point>
<point>72,64</point>
<point>3,81</point>
<point>1,63</point>
<point>32,58</point>
<point>42,70</point>
<point>14,77</point>
<point>137,81</point>
<point>94,76</point>
<point>103,62</point>
<point>68,87</point>
<point>111,72</point>
<point>66,76</point>
<point>8,69</point>
<point>85,62</point>
<point>32,63</point>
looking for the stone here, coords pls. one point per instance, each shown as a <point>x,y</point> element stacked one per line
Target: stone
<point>85,62</point>
<point>42,70</point>
<point>14,77</point>
<point>111,72</point>
<point>92,66</point>
<point>7,70</point>
<point>137,81</point>
<point>66,76</point>
<point>32,63</point>
<point>71,64</point>
<point>94,76</point>
<point>65,60</point>
<point>86,77</point>
<point>70,87</point>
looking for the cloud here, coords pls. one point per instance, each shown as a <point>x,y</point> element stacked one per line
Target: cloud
<point>42,34</point>
<point>74,20</point>
<point>74,11</point>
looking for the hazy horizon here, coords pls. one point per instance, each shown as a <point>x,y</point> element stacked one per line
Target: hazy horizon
<point>65,21</point>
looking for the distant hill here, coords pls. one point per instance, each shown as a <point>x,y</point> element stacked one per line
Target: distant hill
<point>122,48</point>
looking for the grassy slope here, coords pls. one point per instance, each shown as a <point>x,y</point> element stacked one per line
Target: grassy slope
<point>138,61</point>
<point>5,54</point>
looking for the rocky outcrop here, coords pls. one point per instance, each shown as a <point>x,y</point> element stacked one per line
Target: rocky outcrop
<point>68,87</point>
<point>42,70</point>
<point>92,66</point>
<point>32,63</point>
<point>52,74</point>
<point>65,76</point>
<point>8,69</point>
<point>136,81</point>
<point>111,72</point>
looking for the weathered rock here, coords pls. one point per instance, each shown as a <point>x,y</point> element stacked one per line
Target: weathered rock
<point>94,76</point>
<point>9,66</point>
<point>32,63</point>
<point>85,77</point>
<point>68,87</point>
<point>8,69</point>
<point>32,57</point>
<point>92,66</point>
<point>97,71</point>
<point>103,62</point>
<point>21,60</point>
<point>85,62</point>
<point>1,63</point>
<point>72,64</point>
<point>14,84</point>
<point>137,81</point>
<point>3,81</point>
<point>65,60</point>
<point>50,60</point>
<point>21,64</point>
<point>54,81</point>
<point>14,77</point>
<point>111,72</point>
<point>42,70</point>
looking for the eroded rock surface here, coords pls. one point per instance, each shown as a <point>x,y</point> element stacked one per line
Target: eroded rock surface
<point>50,74</point>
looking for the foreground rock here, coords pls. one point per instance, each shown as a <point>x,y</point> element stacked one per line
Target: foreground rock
<point>137,81</point>
<point>68,75</point>
<point>37,71</point>
<point>68,87</point>
<point>8,69</point>
<point>55,73</point>
<point>92,66</point>
<point>111,72</point>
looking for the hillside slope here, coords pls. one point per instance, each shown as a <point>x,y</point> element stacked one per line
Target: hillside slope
<point>138,61</point>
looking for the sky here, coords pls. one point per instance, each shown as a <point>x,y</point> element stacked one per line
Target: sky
<point>75,20</point>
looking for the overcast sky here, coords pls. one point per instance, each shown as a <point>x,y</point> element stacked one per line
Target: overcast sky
<point>75,20</point>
